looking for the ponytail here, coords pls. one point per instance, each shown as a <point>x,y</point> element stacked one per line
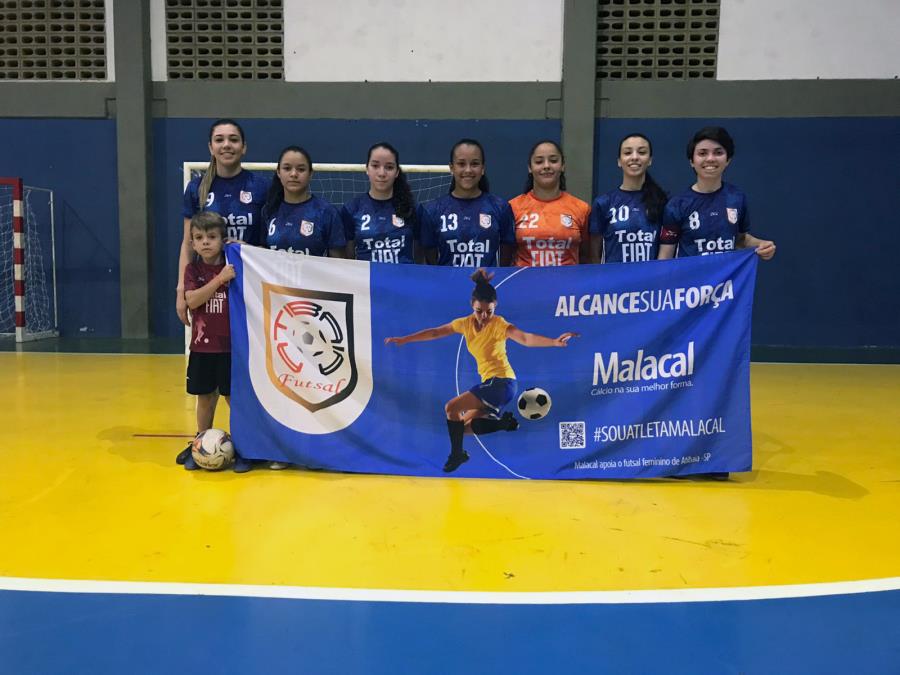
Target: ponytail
<point>206,183</point>
<point>654,198</point>
<point>484,291</point>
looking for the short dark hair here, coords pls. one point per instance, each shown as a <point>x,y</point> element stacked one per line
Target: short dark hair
<point>209,220</point>
<point>717,134</point>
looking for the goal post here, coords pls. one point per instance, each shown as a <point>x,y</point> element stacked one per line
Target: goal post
<point>28,304</point>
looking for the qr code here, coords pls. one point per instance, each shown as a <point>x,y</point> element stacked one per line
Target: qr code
<point>571,436</point>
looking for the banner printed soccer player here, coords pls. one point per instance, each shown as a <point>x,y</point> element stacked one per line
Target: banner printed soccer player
<point>551,224</point>
<point>478,410</point>
<point>380,225</point>
<point>226,188</point>
<point>468,227</point>
<point>625,222</point>
<point>711,216</point>
<point>298,221</point>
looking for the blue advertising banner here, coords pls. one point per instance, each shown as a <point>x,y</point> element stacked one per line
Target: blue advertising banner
<point>655,382</point>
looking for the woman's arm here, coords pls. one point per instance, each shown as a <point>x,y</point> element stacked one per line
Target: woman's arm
<point>596,249</point>
<point>584,250</point>
<point>666,252</point>
<point>422,335</point>
<point>201,295</point>
<point>507,254</point>
<point>184,257</point>
<point>431,256</point>
<point>533,340</point>
<point>765,249</point>
<point>337,252</point>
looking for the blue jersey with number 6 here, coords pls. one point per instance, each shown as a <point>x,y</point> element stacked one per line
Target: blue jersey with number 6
<point>311,227</point>
<point>379,234</point>
<point>620,218</point>
<point>703,223</point>
<point>467,232</point>
<point>238,199</point>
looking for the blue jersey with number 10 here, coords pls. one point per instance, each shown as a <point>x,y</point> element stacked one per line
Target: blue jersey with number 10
<point>380,235</point>
<point>620,218</point>
<point>702,223</point>
<point>238,199</point>
<point>467,232</point>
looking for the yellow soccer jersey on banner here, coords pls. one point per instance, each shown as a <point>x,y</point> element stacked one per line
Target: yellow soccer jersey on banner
<point>487,346</point>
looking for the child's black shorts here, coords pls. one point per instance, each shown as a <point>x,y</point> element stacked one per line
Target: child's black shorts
<point>208,372</point>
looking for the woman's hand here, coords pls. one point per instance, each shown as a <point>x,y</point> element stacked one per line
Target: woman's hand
<point>563,340</point>
<point>226,275</point>
<point>399,341</point>
<point>766,250</point>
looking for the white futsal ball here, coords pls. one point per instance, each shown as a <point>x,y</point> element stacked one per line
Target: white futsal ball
<point>534,403</point>
<point>213,450</point>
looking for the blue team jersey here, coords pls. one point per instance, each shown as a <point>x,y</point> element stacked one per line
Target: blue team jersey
<point>238,199</point>
<point>311,227</point>
<point>380,235</point>
<point>620,218</point>
<point>703,223</point>
<point>467,232</point>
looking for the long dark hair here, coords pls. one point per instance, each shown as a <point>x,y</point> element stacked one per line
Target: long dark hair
<point>206,181</point>
<point>653,196</point>
<point>484,291</point>
<point>402,199</point>
<point>483,183</point>
<point>275,195</point>
<point>529,182</point>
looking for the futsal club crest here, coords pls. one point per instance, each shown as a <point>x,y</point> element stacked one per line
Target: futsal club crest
<point>566,220</point>
<point>484,219</point>
<point>732,216</point>
<point>309,344</point>
<point>397,221</point>
<point>246,197</point>
<point>306,228</point>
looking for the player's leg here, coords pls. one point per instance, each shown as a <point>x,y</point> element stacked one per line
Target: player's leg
<point>202,383</point>
<point>456,409</point>
<point>493,395</point>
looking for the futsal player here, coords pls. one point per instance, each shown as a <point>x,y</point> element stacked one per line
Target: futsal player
<point>296,220</point>
<point>479,409</point>
<point>551,224</point>
<point>227,189</point>
<point>711,216</point>
<point>380,225</point>
<point>625,222</point>
<point>469,226</point>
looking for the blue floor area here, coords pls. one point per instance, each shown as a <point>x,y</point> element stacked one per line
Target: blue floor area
<point>43,633</point>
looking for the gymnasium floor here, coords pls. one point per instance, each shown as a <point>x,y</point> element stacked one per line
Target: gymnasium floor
<point>114,560</point>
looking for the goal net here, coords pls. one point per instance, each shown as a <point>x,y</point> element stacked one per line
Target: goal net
<point>27,262</point>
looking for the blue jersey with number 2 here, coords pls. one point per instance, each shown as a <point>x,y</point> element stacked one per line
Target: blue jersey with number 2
<point>379,234</point>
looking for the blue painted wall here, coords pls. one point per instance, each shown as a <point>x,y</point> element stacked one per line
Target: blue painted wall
<point>506,144</point>
<point>77,159</point>
<point>825,190</point>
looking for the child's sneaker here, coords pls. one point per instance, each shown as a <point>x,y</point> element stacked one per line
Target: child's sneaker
<point>190,464</point>
<point>182,456</point>
<point>278,466</point>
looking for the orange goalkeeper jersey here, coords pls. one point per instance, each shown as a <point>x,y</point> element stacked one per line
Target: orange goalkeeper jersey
<point>549,233</point>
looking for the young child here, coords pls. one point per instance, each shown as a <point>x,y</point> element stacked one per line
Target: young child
<point>209,365</point>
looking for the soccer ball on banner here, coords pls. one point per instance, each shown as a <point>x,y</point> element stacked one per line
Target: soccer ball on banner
<point>213,450</point>
<point>534,403</point>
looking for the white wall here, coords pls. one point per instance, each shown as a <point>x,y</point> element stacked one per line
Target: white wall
<point>809,39</point>
<point>422,40</point>
<point>158,68</point>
